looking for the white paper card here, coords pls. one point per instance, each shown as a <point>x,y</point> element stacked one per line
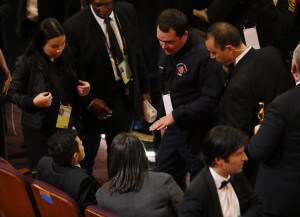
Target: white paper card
<point>251,37</point>
<point>167,103</point>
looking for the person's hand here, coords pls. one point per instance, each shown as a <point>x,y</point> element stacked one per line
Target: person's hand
<point>83,88</point>
<point>256,128</point>
<point>44,99</point>
<point>162,123</point>
<point>5,82</point>
<point>100,109</point>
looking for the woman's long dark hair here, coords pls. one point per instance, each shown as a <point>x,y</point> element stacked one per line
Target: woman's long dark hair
<point>128,164</point>
<point>34,54</point>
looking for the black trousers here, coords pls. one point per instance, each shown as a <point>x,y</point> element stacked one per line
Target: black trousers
<point>36,144</point>
<point>120,121</point>
<point>176,158</point>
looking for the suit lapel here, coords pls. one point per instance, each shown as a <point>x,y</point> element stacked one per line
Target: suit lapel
<point>243,61</point>
<point>215,206</point>
<point>238,192</point>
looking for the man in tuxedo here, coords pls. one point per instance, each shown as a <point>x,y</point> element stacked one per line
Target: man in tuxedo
<point>221,190</point>
<point>274,20</point>
<point>113,101</point>
<point>276,146</point>
<point>62,169</point>
<point>257,76</point>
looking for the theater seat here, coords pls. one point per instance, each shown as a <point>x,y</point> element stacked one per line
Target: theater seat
<point>53,202</point>
<point>16,199</point>
<point>94,211</point>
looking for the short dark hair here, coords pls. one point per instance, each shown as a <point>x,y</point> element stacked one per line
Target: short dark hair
<point>222,141</point>
<point>173,19</point>
<point>128,163</point>
<point>62,146</point>
<point>224,34</point>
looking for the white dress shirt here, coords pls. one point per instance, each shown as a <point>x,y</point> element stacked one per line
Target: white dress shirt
<point>115,28</point>
<point>229,202</point>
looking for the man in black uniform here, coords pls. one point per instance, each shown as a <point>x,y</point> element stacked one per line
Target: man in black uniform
<point>191,85</point>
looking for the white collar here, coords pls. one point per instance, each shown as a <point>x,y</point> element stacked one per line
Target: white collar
<point>100,20</point>
<point>217,178</point>
<point>242,55</point>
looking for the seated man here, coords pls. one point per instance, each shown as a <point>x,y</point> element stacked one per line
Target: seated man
<point>62,169</point>
<point>221,190</point>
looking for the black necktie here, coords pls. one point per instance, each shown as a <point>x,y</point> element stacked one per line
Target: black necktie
<point>114,45</point>
<point>224,183</point>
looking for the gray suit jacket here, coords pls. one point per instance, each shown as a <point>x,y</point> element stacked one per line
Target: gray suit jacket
<point>159,196</point>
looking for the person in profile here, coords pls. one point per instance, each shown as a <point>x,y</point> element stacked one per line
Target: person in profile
<point>63,171</point>
<point>132,189</point>
<point>221,190</point>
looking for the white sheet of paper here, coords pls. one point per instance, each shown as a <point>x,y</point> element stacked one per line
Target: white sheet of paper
<point>251,37</point>
<point>167,103</point>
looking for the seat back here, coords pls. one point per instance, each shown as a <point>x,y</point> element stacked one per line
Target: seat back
<point>52,201</point>
<point>94,211</point>
<point>16,199</point>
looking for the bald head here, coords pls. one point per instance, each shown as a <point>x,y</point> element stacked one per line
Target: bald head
<point>296,58</point>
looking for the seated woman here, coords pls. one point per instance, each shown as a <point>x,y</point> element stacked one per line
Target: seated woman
<point>132,189</point>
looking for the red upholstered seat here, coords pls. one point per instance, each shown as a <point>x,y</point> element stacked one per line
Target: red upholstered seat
<point>52,201</point>
<point>16,198</point>
<point>94,211</point>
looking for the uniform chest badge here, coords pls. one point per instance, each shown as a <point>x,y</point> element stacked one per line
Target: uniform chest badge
<point>181,69</point>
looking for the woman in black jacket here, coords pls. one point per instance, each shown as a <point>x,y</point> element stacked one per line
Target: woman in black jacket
<point>46,88</point>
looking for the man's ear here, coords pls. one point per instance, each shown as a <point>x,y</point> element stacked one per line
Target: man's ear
<point>229,48</point>
<point>295,72</point>
<point>219,161</point>
<point>75,157</point>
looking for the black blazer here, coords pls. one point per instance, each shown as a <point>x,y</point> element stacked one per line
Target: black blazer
<point>73,180</point>
<point>259,76</point>
<point>276,146</point>
<point>86,38</point>
<point>201,197</point>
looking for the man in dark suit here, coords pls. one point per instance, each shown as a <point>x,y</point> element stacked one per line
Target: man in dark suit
<point>276,146</point>
<point>274,20</point>
<point>112,102</point>
<point>221,190</point>
<point>257,76</point>
<point>62,169</point>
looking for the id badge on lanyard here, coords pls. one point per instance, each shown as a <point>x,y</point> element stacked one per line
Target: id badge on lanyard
<point>125,71</point>
<point>63,117</point>
<point>167,103</point>
<point>251,37</point>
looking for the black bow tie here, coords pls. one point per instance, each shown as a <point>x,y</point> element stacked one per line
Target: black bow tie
<point>224,183</point>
